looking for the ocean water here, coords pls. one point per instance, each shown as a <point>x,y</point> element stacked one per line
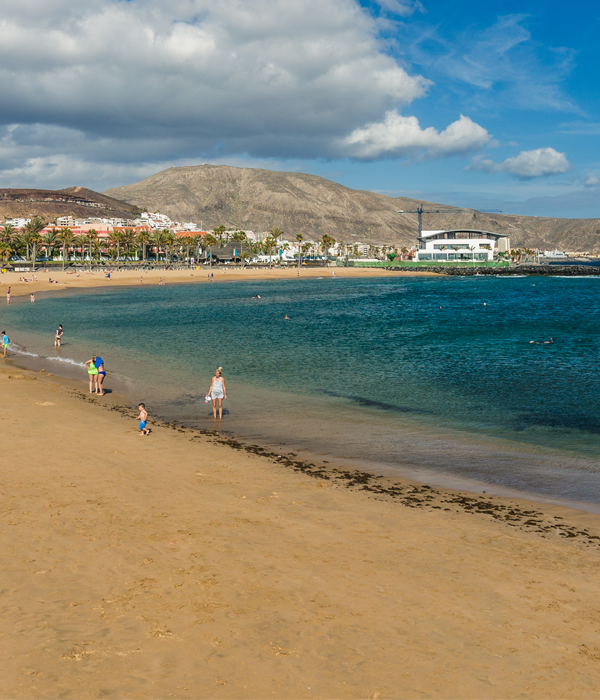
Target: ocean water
<point>435,377</point>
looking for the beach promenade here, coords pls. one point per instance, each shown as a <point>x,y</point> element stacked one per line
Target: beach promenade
<point>177,566</point>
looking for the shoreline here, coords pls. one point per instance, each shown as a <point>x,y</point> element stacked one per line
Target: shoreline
<point>188,563</point>
<point>97,280</point>
<point>368,470</point>
<point>392,487</point>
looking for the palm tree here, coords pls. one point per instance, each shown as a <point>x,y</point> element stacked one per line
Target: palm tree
<point>269,245</point>
<point>128,241</point>
<point>143,238</point>
<point>79,242</point>
<point>6,250</point>
<point>66,236</point>
<point>7,233</point>
<point>299,239</point>
<point>8,241</point>
<point>91,239</point>
<point>156,240</point>
<point>168,240</point>
<point>218,233</point>
<point>31,236</point>
<point>276,233</point>
<point>50,242</point>
<point>116,238</point>
<point>326,243</point>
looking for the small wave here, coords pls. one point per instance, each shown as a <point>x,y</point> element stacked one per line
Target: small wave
<point>67,360</point>
<point>21,351</point>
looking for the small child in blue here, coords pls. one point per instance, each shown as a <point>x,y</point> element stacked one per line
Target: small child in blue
<point>143,417</point>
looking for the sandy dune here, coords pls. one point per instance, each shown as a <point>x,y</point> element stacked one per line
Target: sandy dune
<point>174,566</point>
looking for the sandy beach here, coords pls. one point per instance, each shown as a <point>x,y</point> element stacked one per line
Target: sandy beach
<point>86,280</point>
<point>190,566</point>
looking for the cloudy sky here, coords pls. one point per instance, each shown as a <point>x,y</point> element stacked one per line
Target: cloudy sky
<point>484,104</point>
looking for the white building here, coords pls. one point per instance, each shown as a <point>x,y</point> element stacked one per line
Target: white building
<point>16,223</point>
<point>461,244</point>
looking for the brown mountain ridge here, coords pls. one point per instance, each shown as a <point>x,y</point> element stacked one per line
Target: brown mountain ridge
<point>258,200</point>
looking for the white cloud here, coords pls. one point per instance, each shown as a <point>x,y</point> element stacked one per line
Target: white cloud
<point>146,81</point>
<point>401,7</point>
<point>540,162</point>
<point>398,136</point>
<point>591,180</point>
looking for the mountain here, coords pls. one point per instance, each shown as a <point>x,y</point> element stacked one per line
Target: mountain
<point>258,200</point>
<point>78,202</point>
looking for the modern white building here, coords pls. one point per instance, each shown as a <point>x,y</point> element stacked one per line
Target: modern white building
<point>461,244</point>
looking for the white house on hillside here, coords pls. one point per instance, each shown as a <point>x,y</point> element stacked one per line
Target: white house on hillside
<point>461,244</point>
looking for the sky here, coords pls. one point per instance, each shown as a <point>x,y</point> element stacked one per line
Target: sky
<point>489,105</point>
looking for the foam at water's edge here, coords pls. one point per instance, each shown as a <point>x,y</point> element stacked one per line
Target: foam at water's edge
<point>20,351</point>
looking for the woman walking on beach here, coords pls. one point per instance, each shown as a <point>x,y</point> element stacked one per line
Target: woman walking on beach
<point>217,392</point>
<point>92,371</point>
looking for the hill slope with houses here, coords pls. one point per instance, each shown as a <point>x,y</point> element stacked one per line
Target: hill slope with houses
<point>78,202</point>
<point>258,200</point>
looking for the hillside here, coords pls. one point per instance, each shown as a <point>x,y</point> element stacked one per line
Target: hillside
<point>71,201</point>
<point>261,199</point>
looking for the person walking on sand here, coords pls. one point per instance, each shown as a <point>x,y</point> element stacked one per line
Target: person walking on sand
<point>92,371</point>
<point>5,342</point>
<point>99,362</point>
<point>143,417</point>
<point>217,392</point>
<point>58,336</point>
<point>8,295</point>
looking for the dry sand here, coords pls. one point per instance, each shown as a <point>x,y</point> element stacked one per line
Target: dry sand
<point>84,279</point>
<point>176,566</point>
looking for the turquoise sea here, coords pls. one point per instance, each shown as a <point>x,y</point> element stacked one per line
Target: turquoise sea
<point>432,377</point>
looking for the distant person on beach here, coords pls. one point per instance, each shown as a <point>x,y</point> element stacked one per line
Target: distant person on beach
<point>217,392</point>
<point>8,295</point>
<point>58,336</point>
<point>99,362</point>
<point>5,342</point>
<point>143,417</point>
<point>92,371</point>
<point>32,298</point>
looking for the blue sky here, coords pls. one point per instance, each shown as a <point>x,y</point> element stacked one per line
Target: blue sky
<point>486,105</point>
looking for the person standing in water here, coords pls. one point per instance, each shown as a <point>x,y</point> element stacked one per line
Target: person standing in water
<point>58,335</point>
<point>5,342</point>
<point>217,392</point>
<point>99,362</point>
<point>8,295</point>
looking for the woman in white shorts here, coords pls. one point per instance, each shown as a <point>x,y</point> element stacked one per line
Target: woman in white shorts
<point>217,392</point>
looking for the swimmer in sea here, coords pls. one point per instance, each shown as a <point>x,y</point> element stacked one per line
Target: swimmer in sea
<point>287,318</point>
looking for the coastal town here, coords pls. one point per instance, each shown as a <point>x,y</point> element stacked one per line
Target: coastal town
<point>153,238</point>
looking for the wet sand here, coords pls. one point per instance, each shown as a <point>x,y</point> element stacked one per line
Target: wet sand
<point>189,565</point>
<point>86,280</point>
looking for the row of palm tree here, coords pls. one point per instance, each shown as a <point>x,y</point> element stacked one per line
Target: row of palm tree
<point>122,243</point>
<point>127,243</point>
